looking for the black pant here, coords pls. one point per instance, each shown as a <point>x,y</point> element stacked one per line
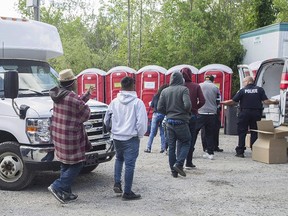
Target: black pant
<point>216,134</point>
<point>247,118</point>
<point>192,128</point>
<point>207,122</point>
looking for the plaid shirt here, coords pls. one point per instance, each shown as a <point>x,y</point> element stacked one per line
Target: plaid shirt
<point>68,132</point>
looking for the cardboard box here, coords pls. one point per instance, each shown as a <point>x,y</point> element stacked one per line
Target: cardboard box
<point>271,145</point>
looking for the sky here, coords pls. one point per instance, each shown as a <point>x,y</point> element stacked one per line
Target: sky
<point>7,8</point>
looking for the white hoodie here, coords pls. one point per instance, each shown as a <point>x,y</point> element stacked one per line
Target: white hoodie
<point>128,116</point>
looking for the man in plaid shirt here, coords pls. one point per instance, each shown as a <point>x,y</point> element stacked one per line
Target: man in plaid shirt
<point>68,133</point>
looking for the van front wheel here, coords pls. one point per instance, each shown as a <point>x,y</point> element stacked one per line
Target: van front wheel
<point>14,175</point>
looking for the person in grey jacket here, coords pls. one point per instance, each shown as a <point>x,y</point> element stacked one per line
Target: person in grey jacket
<point>175,103</point>
<point>207,114</point>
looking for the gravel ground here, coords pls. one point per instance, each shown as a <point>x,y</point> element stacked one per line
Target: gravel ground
<point>225,186</point>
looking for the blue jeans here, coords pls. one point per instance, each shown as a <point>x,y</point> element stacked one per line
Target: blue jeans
<point>157,119</point>
<point>181,134</point>
<point>126,152</point>
<point>67,175</point>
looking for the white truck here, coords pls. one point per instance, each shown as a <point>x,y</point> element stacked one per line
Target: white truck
<point>26,108</point>
<point>264,43</point>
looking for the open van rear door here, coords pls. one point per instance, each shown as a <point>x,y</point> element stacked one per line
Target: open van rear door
<point>283,94</point>
<point>270,77</point>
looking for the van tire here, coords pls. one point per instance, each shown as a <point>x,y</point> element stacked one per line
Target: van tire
<point>14,174</point>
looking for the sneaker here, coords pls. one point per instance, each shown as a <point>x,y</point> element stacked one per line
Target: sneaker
<point>174,174</point>
<point>162,151</point>
<point>57,194</point>
<point>218,150</point>
<point>179,170</point>
<point>71,197</point>
<point>209,156</point>
<point>240,155</point>
<point>189,166</point>
<point>147,150</point>
<point>130,196</point>
<point>117,188</point>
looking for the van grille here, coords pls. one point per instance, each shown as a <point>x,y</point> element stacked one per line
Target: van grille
<point>95,129</point>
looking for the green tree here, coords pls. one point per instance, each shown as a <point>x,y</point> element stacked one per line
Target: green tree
<point>73,26</point>
<point>265,13</point>
<point>281,7</point>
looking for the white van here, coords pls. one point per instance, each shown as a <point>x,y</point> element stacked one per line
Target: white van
<point>25,105</point>
<point>272,76</point>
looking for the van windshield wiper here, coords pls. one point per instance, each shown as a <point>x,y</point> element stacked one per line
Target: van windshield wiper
<point>46,90</point>
<point>35,91</point>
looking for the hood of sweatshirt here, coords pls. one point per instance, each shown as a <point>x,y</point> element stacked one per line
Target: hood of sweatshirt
<point>57,93</point>
<point>126,97</point>
<point>176,79</point>
<point>187,74</point>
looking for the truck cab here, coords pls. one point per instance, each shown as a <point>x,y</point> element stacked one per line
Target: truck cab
<point>25,140</point>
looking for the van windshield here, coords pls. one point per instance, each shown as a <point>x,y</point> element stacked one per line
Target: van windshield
<point>35,77</point>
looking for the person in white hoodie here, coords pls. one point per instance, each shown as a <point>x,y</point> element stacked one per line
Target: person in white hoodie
<point>127,118</point>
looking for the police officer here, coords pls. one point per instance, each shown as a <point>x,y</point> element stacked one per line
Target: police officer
<point>250,98</point>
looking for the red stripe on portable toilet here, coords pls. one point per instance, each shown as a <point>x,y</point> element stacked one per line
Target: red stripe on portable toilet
<point>148,80</point>
<point>193,69</point>
<point>113,81</point>
<point>94,77</point>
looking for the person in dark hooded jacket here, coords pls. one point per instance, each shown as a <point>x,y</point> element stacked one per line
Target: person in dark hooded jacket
<point>198,100</point>
<point>68,133</point>
<point>175,103</point>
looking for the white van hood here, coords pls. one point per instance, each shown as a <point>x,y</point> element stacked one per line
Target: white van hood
<point>42,106</point>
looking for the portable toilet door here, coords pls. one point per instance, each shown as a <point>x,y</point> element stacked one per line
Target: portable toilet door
<point>94,77</point>
<point>178,68</point>
<point>222,79</point>
<point>113,81</point>
<point>148,80</point>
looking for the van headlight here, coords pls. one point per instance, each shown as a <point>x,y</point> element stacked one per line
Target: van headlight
<point>38,130</point>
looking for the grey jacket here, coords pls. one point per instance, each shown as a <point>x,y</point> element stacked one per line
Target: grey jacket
<point>211,93</point>
<point>174,100</point>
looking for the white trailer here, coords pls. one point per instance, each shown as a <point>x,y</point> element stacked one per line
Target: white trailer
<point>264,43</point>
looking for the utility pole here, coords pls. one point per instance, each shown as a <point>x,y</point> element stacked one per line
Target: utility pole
<point>36,7</point>
<point>37,11</point>
<point>129,35</point>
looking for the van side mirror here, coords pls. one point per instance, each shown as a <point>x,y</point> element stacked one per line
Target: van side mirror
<point>11,84</point>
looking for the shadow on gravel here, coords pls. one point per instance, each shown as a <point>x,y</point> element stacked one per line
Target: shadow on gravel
<point>43,179</point>
<point>220,183</point>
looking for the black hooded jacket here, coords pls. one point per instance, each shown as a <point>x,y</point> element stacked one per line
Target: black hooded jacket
<point>174,101</point>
